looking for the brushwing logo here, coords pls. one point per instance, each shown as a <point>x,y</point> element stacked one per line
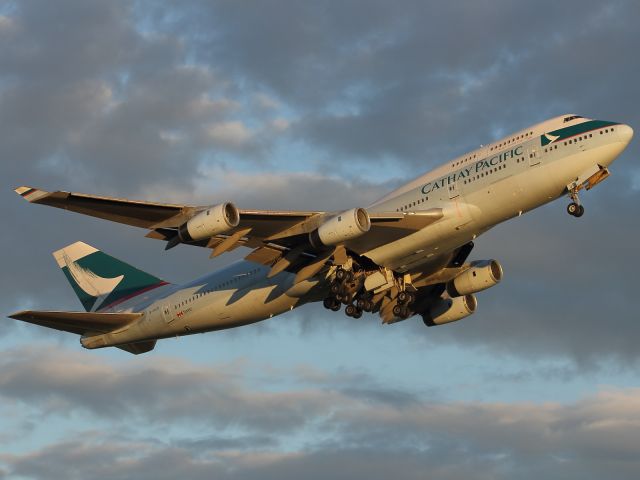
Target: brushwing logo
<point>547,138</point>
<point>90,283</point>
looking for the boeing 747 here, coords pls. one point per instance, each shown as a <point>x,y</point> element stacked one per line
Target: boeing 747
<point>404,255</point>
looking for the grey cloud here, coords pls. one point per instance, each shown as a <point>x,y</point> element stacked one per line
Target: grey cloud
<point>588,438</point>
<point>116,99</point>
<point>414,79</point>
<point>88,99</point>
<point>58,383</point>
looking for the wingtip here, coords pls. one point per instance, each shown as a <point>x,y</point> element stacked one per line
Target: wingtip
<point>30,193</point>
<point>22,189</point>
<point>18,315</point>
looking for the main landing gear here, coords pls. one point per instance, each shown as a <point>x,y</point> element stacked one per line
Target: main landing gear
<point>347,289</point>
<point>575,208</point>
<point>403,308</point>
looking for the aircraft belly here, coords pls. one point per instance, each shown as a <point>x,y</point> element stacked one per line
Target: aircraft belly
<point>455,229</point>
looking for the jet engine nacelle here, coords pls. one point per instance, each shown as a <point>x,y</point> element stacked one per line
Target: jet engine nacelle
<point>448,310</point>
<point>482,275</point>
<point>346,226</point>
<point>212,221</point>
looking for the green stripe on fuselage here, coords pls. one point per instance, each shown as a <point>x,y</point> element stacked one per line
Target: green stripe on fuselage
<point>574,130</point>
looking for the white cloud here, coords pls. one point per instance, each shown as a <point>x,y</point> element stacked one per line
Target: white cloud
<point>265,101</point>
<point>345,431</point>
<point>232,134</point>
<point>280,124</point>
<point>6,24</point>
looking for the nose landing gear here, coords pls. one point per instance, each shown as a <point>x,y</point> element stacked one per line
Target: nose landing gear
<point>575,208</point>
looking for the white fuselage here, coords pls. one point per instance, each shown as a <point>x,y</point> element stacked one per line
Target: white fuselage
<point>475,191</point>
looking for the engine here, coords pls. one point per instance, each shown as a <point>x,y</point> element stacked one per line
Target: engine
<point>212,221</point>
<point>482,275</point>
<point>448,310</point>
<point>346,226</point>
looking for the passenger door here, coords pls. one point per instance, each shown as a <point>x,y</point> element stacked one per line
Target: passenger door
<point>167,314</point>
<point>535,156</point>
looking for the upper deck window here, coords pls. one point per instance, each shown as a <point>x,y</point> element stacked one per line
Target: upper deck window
<point>572,117</point>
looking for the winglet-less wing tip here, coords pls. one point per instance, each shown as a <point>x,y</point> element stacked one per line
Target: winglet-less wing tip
<point>30,193</point>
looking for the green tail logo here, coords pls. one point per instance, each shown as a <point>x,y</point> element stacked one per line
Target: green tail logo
<point>100,280</point>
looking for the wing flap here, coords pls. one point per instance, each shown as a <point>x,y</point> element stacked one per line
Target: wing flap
<point>77,322</point>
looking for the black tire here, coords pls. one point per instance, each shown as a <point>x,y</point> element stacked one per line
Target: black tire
<point>341,274</point>
<point>368,306</point>
<point>346,298</point>
<point>357,314</point>
<point>360,303</point>
<point>573,208</point>
<point>336,306</point>
<point>397,311</point>
<point>328,302</point>
<point>580,211</point>
<point>403,297</point>
<point>335,288</point>
<point>350,310</point>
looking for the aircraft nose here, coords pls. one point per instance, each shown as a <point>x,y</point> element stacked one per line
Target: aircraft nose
<point>625,133</point>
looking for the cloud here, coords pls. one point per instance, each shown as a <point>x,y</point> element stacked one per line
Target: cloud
<point>352,435</point>
<point>326,107</point>
<point>229,134</point>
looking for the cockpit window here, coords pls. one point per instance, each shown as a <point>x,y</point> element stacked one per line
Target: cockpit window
<point>573,117</point>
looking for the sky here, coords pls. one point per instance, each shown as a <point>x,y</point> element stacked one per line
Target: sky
<point>324,106</point>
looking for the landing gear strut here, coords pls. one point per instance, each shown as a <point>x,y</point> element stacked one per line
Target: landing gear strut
<point>575,208</point>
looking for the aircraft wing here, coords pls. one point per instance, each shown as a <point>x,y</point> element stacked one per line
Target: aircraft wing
<point>272,232</point>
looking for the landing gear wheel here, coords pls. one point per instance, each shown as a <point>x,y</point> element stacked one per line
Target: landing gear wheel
<point>401,311</point>
<point>573,208</point>
<point>357,314</point>
<point>331,303</point>
<point>405,297</point>
<point>346,298</point>
<point>350,310</point>
<point>580,211</point>
<point>335,288</point>
<point>344,275</point>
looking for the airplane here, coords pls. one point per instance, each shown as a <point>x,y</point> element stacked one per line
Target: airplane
<point>404,255</point>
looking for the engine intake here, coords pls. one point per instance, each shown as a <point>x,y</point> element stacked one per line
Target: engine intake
<point>346,226</point>
<point>447,310</point>
<point>212,221</point>
<point>482,275</point>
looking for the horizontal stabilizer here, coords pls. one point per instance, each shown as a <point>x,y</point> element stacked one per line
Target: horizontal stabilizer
<point>78,322</point>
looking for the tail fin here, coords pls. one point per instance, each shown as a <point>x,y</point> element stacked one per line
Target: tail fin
<point>100,280</point>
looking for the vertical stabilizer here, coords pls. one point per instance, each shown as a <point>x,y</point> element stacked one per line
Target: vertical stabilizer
<point>100,280</point>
